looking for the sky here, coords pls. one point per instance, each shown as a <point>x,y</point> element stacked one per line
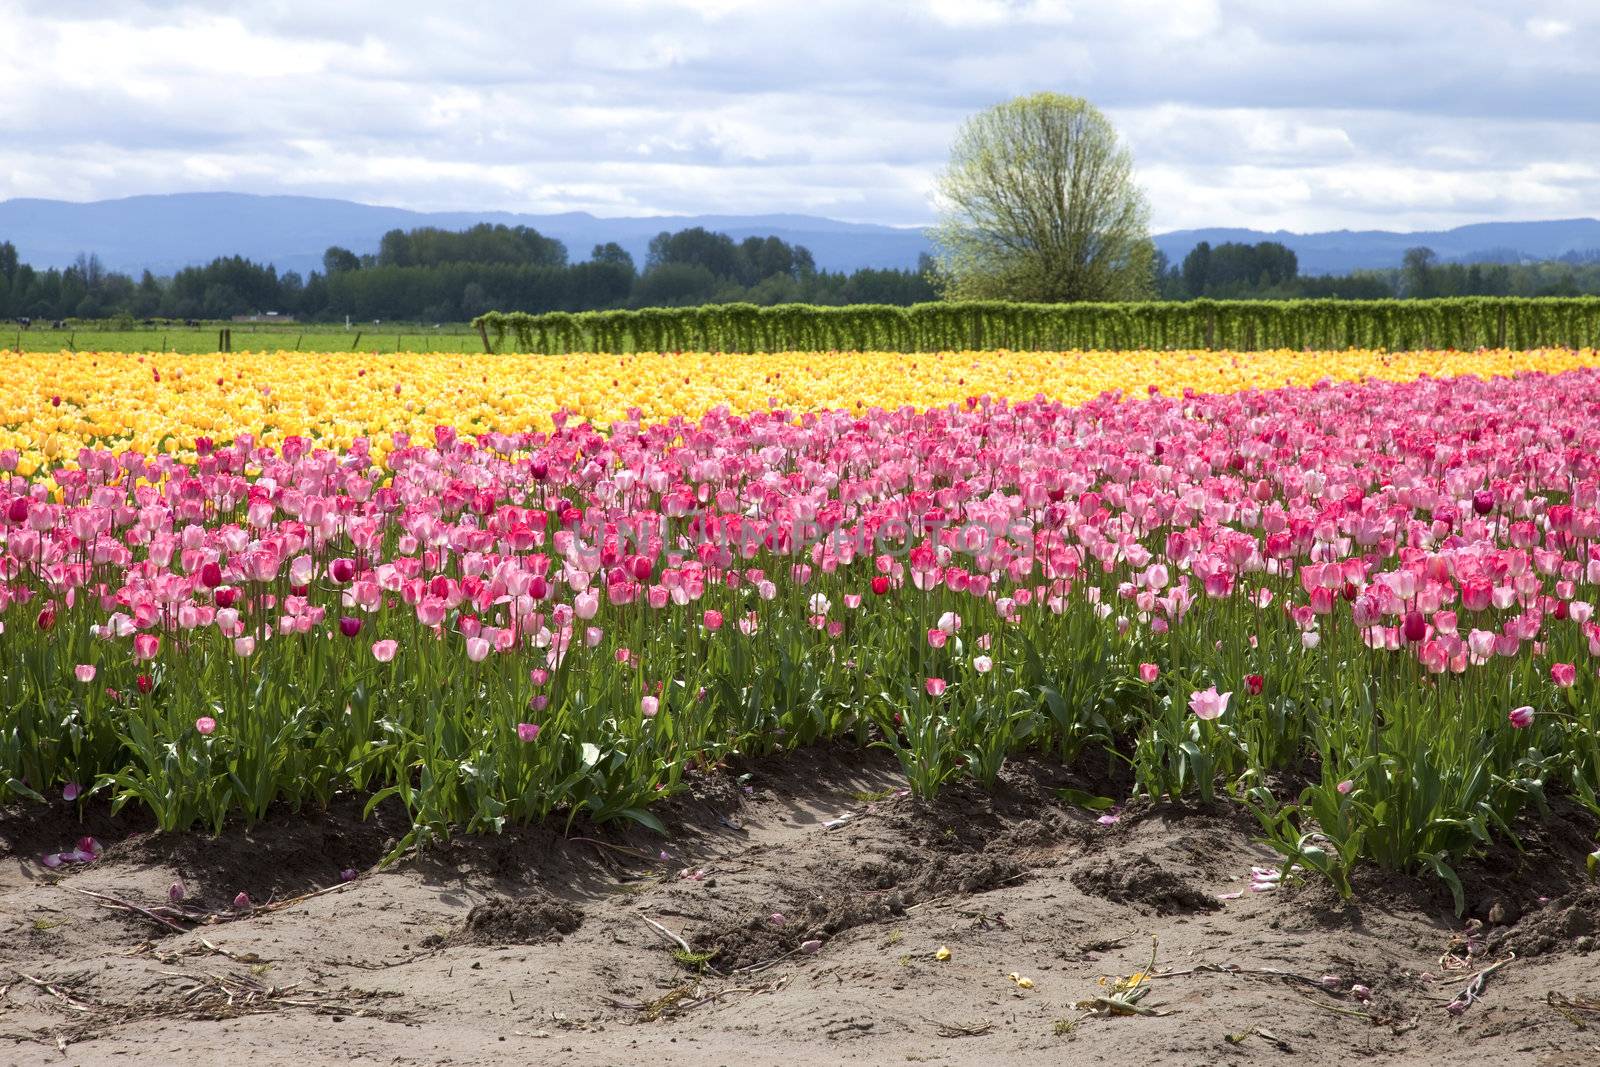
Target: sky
<point>1403,115</point>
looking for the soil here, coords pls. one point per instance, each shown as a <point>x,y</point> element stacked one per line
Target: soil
<point>803,908</point>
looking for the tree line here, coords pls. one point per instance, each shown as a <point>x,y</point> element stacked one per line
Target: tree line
<point>1269,270</point>
<point>953,325</point>
<point>435,275</point>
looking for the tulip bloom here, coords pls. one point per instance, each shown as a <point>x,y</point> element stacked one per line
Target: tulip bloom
<point>1563,674</point>
<point>205,725</point>
<point>383,651</point>
<point>1209,704</point>
<point>527,731</point>
<point>1149,672</point>
<point>1521,718</point>
<point>934,686</point>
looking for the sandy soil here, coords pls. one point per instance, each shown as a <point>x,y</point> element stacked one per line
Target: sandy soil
<point>533,948</point>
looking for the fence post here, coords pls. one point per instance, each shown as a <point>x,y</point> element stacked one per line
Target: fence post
<point>483,332</point>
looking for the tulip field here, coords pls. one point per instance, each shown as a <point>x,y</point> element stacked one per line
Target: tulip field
<point>1353,591</point>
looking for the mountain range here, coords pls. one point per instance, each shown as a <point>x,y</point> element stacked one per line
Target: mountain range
<point>162,233</point>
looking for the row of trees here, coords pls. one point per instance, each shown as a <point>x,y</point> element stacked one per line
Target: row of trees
<point>1270,270</point>
<point>443,276</point>
<point>410,280</point>
<point>1241,325</point>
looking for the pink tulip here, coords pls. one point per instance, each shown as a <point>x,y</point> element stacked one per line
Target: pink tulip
<point>205,725</point>
<point>145,646</point>
<point>649,706</point>
<point>982,664</point>
<point>1209,704</point>
<point>1149,672</point>
<point>1563,674</point>
<point>383,651</point>
<point>242,900</point>
<point>84,672</point>
<point>934,686</point>
<point>477,649</point>
<point>1521,718</point>
<point>527,732</point>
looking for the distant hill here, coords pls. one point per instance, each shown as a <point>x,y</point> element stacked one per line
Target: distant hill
<point>163,233</point>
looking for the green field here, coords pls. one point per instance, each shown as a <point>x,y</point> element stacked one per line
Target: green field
<point>246,337</point>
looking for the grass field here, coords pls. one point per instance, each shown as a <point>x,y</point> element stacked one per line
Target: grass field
<point>247,337</point>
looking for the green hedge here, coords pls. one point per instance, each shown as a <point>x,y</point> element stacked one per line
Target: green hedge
<point>1240,325</point>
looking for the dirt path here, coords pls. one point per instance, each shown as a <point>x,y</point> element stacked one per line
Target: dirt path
<point>558,966</point>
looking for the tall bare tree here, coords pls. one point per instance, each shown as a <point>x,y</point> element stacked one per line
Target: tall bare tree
<point>1040,204</point>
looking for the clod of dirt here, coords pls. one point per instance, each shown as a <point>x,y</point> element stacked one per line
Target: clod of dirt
<point>1141,881</point>
<point>946,875</point>
<point>1558,926</point>
<point>757,939</point>
<point>527,920</point>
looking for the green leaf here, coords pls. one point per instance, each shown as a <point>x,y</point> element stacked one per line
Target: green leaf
<point>643,818</point>
<point>16,785</point>
<point>1079,799</point>
<point>1451,879</point>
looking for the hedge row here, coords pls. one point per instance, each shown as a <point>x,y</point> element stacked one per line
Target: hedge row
<point>1239,325</point>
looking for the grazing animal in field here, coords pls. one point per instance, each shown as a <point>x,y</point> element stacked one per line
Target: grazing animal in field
<point>59,324</point>
<point>25,323</point>
<point>191,322</point>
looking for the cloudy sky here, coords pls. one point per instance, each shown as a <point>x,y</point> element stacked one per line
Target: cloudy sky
<point>1394,114</point>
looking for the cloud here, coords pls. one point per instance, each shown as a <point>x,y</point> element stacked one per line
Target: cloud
<point>1240,112</point>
